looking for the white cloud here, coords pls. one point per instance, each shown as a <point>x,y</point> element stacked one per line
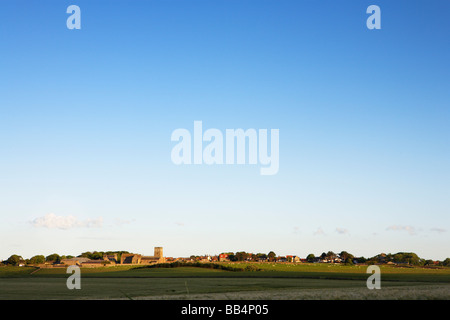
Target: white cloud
<point>319,231</point>
<point>120,222</point>
<point>409,229</point>
<point>342,231</point>
<point>53,221</point>
<point>440,230</point>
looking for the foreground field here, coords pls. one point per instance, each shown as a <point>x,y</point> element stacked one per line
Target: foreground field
<point>423,292</point>
<point>215,288</point>
<point>274,282</point>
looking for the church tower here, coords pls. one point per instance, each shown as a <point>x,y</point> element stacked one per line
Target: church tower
<point>158,252</point>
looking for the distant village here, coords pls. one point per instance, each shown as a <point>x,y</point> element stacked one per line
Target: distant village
<point>114,258</point>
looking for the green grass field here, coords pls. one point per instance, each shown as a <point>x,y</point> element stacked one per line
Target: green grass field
<point>274,281</point>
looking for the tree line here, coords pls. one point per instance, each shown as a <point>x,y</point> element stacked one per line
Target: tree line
<point>408,258</point>
<point>16,260</point>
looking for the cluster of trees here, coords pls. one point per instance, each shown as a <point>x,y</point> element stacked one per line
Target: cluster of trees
<point>245,256</point>
<point>343,257</point>
<point>98,255</point>
<point>16,260</point>
<point>409,258</point>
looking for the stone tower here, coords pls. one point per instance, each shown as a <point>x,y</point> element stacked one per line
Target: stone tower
<point>158,252</point>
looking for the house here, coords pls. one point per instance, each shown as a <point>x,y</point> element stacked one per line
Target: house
<point>151,260</point>
<point>95,263</point>
<point>111,257</point>
<point>260,259</point>
<point>77,261</point>
<point>294,259</point>
<point>132,258</point>
<point>205,259</point>
<point>182,259</point>
<point>223,257</point>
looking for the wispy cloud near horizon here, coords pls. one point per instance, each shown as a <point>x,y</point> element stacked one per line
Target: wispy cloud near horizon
<point>342,231</point>
<point>52,221</point>
<point>120,222</point>
<point>411,230</point>
<point>439,230</point>
<point>319,232</point>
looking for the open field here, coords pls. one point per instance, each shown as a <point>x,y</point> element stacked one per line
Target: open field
<point>341,268</point>
<point>276,281</point>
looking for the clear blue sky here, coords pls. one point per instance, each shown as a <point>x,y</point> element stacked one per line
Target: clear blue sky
<point>86,117</point>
